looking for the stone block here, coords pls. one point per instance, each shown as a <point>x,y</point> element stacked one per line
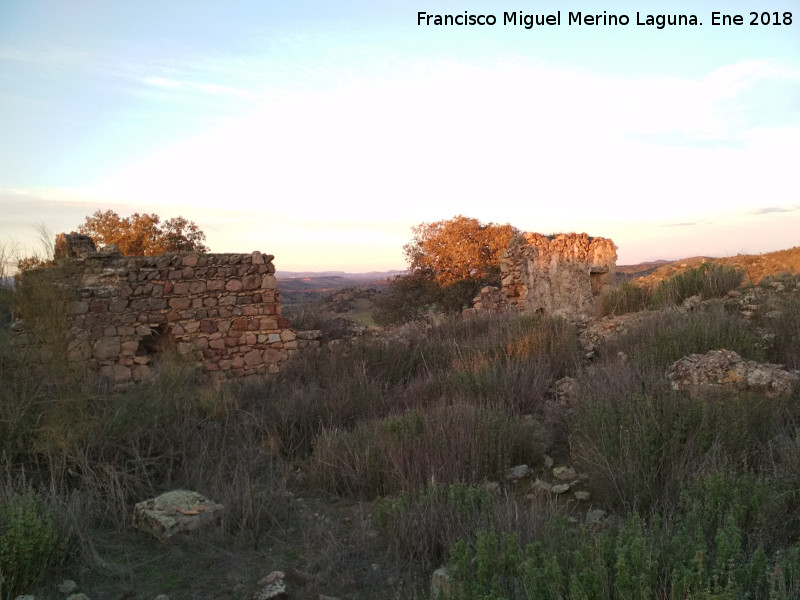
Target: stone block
<point>106,348</point>
<point>158,303</point>
<point>176,512</point>
<point>181,288</point>
<point>268,282</point>
<point>129,348</point>
<point>253,358</point>
<point>180,303</point>
<point>233,285</point>
<point>287,335</point>
<point>197,287</point>
<point>274,355</point>
<point>79,351</point>
<point>79,307</point>
<point>140,372</point>
<point>191,260</point>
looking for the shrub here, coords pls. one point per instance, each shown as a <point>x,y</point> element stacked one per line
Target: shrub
<point>421,527</point>
<point>661,338</point>
<point>784,329</point>
<point>642,441</point>
<point>709,280</point>
<point>709,549</point>
<point>444,444</point>
<point>30,546</point>
<point>624,298</point>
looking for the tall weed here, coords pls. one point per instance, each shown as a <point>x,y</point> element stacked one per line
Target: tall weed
<point>663,337</point>
<point>443,444</point>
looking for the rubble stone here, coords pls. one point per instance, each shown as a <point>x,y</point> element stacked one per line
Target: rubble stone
<point>725,368</point>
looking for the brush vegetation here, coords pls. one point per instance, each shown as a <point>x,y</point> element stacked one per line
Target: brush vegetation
<point>385,452</point>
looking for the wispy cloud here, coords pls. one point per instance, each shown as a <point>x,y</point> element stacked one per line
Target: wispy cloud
<point>767,210</point>
<point>688,224</point>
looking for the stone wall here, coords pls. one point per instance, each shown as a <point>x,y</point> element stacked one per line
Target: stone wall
<point>558,275</point>
<point>221,310</point>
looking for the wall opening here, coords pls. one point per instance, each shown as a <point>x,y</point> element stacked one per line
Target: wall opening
<point>158,341</point>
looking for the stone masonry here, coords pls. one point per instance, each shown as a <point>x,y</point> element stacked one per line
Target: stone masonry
<point>221,310</point>
<point>559,275</point>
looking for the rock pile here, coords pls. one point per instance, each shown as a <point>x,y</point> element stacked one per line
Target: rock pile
<point>489,299</point>
<point>726,369</point>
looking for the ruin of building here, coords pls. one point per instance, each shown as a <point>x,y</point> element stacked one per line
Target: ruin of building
<point>562,275</point>
<point>222,311</point>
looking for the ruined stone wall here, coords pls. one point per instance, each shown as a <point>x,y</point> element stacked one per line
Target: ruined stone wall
<point>221,310</point>
<point>559,275</point>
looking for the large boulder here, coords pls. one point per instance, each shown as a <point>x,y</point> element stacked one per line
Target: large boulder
<point>174,512</point>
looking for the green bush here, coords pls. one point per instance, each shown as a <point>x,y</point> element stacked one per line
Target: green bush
<point>624,298</point>
<point>420,528</point>
<point>784,328</point>
<point>663,337</point>
<point>709,280</point>
<point>703,553</point>
<point>642,441</point>
<point>30,546</point>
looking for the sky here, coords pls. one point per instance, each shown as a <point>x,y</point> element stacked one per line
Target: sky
<point>322,131</point>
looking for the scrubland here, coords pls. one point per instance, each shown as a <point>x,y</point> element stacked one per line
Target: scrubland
<point>365,466</point>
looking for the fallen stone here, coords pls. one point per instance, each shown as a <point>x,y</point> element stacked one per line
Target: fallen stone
<point>583,496</point>
<point>273,587</point>
<point>67,586</point>
<point>561,488</point>
<point>441,584</point>
<point>692,303</point>
<point>596,517</point>
<point>175,512</point>
<point>518,472</point>
<point>565,473</point>
<point>545,486</point>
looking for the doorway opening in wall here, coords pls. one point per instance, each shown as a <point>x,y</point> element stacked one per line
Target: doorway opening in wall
<point>597,280</point>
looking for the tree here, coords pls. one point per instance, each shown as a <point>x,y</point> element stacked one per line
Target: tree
<point>458,249</point>
<point>144,235</point>
<point>449,262</point>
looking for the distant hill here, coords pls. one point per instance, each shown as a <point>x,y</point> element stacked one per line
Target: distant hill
<point>755,266</point>
<point>369,276</point>
<point>305,287</point>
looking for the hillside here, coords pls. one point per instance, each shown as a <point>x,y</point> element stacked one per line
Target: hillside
<point>303,288</point>
<point>756,266</point>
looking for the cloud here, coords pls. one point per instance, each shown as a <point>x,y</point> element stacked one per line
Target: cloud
<point>680,224</point>
<point>768,210</point>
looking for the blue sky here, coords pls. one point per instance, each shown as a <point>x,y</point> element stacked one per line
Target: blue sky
<point>321,132</point>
